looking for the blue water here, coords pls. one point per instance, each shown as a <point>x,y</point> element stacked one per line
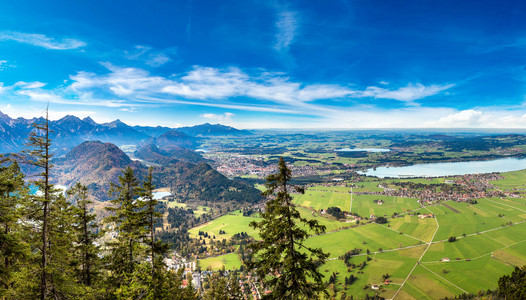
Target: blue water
<point>450,168</point>
<point>363,149</point>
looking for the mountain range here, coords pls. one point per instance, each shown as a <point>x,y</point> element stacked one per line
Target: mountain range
<point>71,131</point>
<point>88,152</point>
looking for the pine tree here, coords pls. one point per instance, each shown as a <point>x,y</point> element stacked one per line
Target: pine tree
<point>40,157</point>
<point>129,226</point>
<point>13,248</point>
<point>86,232</point>
<point>61,272</point>
<point>156,247</point>
<point>288,267</point>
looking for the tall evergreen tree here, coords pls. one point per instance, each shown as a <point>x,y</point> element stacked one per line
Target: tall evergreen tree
<point>61,272</point>
<point>513,286</point>
<point>13,248</point>
<point>87,232</point>
<point>288,267</point>
<point>129,226</point>
<point>152,216</point>
<point>40,157</point>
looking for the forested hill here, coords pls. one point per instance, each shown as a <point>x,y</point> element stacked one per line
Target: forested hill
<point>208,129</point>
<point>96,164</point>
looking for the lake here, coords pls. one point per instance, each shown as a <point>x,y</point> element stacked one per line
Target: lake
<point>363,150</point>
<point>449,168</point>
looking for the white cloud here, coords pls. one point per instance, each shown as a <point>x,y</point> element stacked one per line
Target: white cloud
<point>408,93</point>
<point>286,26</point>
<point>227,88</point>
<point>149,56</point>
<point>225,118</point>
<point>16,112</point>
<point>3,64</point>
<point>30,85</point>
<point>471,118</point>
<point>38,95</point>
<point>465,118</point>
<point>41,40</point>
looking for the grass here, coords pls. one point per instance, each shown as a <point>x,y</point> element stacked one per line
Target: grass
<point>365,206</point>
<point>230,261</point>
<point>397,264</point>
<point>198,210</point>
<point>330,224</point>
<point>466,221</point>
<point>473,276</point>
<point>513,180</point>
<point>321,197</point>
<point>370,236</point>
<point>414,226</point>
<point>231,223</point>
<point>491,254</point>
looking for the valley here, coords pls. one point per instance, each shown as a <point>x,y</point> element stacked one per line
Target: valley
<point>396,237</point>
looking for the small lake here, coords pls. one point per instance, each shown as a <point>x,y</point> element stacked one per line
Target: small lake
<point>363,150</point>
<point>160,195</point>
<point>449,168</point>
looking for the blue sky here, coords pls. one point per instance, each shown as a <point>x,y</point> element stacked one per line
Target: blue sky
<point>267,64</point>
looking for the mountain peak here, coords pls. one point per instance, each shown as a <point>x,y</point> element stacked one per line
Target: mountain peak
<point>5,118</point>
<point>89,120</point>
<point>116,123</point>
<point>70,118</point>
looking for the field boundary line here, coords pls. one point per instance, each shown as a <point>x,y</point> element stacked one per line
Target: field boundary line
<point>480,256</point>
<point>506,205</point>
<point>490,212</point>
<point>418,261</point>
<point>445,279</point>
<point>404,234</point>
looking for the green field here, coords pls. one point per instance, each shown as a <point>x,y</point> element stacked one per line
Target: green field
<point>486,248</point>
<point>412,225</point>
<point>198,210</point>
<point>231,223</point>
<point>320,197</point>
<point>512,180</point>
<point>230,261</point>
<point>371,236</point>
<point>365,206</point>
<point>468,218</point>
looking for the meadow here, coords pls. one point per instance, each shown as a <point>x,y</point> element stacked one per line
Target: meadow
<point>490,240</point>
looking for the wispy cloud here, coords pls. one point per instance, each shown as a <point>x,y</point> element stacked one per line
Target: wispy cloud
<point>229,88</point>
<point>479,118</point>
<point>15,112</point>
<point>41,40</point>
<point>130,89</point>
<point>286,25</point>
<point>151,57</point>
<point>225,118</point>
<point>409,93</point>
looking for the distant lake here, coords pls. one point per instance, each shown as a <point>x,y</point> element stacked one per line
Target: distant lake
<point>363,149</point>
<point>449,168</point>
<point>160,195</point>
